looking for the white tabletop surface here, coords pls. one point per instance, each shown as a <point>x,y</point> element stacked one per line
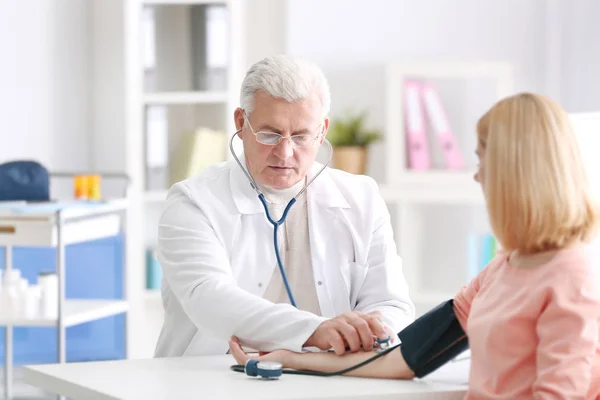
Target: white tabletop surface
<point>69,209</point>
<point>209,377</point>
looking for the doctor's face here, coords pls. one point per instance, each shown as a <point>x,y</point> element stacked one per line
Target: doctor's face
<point>281,165</point>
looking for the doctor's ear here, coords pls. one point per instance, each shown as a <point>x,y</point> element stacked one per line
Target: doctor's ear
<point>325,128</point>
<point>238,118</point>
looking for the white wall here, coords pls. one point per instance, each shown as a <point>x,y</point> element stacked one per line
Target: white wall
<point>573,54</point>
<point>265,29</point>
<point>51,50</point>
<point>44,82</point>
<point>352,40</point>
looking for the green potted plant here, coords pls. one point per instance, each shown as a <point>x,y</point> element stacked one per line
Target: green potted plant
<point>350,140</point>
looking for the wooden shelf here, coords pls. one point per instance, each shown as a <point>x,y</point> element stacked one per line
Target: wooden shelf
<point>185,98</point>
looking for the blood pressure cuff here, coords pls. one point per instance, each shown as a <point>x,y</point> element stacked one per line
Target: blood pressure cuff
<point>432,340</point>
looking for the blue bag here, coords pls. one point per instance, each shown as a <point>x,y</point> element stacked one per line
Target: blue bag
<point>24,181</point>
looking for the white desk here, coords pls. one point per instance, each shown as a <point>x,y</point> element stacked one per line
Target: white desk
<point>209,377</point>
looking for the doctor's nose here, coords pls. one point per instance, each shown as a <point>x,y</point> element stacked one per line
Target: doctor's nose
<point>284,149</point>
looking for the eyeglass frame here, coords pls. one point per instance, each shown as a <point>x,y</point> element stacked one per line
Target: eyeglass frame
<point>281,137</point>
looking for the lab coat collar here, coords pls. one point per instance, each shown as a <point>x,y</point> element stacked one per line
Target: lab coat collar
<point>323,190</point>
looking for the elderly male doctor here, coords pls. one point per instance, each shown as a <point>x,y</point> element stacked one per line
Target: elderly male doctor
<point>215,245</point>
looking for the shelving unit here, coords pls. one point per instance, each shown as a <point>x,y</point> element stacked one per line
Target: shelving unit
<point>58,225</point>
<point>438,205</point>
<point>178,40</point>
<point>75,312</point>
<point>155,196</point>
<point>419,199</point>
<point>166,98</point>
<point>435,187</point>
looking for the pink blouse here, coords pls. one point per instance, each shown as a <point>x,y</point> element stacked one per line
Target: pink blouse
<point>533,333</point>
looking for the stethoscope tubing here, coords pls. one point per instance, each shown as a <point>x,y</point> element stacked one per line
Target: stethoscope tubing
<point>380,353</point>
<point>278,223</point>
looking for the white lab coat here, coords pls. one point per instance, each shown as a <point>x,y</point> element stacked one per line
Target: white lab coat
<point>215,247</point>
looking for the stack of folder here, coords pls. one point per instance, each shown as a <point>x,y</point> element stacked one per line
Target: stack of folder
<point>195,152</point>
<point>423,102</point>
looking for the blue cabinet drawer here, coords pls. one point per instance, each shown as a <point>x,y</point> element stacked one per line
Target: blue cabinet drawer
<point>94,270</point>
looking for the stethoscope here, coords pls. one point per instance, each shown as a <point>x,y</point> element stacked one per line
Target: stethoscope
<point>271,369</point>
<point>277,223</point>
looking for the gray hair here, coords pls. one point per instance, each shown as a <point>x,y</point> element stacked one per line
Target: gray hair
<point>287,77</point>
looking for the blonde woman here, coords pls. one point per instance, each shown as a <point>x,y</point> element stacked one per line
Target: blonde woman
<point>532,317</point>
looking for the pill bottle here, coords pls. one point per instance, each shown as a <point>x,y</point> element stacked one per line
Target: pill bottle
<point>48,283</point>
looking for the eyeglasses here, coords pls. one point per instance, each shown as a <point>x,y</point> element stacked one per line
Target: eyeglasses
<point>272,138</point>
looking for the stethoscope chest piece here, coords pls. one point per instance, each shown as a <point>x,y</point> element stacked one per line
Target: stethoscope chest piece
<point>382,344</point>
<point>264,369</point>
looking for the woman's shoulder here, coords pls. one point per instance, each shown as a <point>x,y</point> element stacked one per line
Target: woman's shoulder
<point>496,264</point>
<point>579,263</point>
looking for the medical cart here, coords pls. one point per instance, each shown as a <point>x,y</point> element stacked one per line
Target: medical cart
<point>56,225</point>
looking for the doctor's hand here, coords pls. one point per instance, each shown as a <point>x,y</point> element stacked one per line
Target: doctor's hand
<point>241,356</point>
<point>351,330</point>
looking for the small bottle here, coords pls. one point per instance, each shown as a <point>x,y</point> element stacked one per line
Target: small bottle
<point>31,302</point>
<point>22,289</point>
<point>10,293</point>
<point>94,187</point>
<point>48,282</point>
<point>80,183</point>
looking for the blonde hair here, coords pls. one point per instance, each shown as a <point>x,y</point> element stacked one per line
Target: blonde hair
<point>536,189</point>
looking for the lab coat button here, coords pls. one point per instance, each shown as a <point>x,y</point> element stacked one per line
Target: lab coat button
<point>320,283</point>
<point>260,284</point>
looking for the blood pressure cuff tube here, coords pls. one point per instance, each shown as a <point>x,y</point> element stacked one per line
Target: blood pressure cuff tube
<point>432,340</point>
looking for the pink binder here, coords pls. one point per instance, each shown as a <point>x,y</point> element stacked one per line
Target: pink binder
<point>441,127</point>
<point>417,147</point>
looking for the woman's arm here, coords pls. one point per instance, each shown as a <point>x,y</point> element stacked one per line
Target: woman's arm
<point>391,365</point>
<point>464,298</point>
<point>428,343</point>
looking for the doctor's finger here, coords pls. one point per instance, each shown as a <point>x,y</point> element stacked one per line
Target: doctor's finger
<point>238,353</point>
<point>337,343</point>
<point>363,330</point>
<point>351,335</point>
<point>377,326</point>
